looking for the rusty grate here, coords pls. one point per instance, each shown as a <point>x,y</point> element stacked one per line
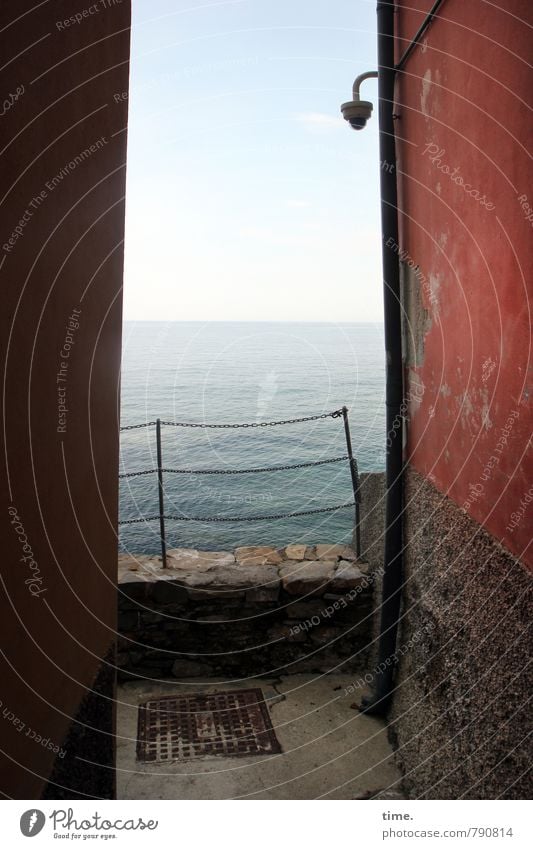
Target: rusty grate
<point>231,723</point>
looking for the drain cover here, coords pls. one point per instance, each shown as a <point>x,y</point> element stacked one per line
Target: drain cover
<point>231,723</point>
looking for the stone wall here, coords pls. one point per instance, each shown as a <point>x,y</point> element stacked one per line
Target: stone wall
<point>460,715</point>
<point>255,611</point>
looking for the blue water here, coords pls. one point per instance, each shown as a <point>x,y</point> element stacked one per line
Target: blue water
<point>227,372</point>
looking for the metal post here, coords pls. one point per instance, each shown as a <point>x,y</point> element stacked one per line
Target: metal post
<point>355,480</point>
<point>161,493</point>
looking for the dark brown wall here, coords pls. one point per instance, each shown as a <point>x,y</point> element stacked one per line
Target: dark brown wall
<point>59,474</point>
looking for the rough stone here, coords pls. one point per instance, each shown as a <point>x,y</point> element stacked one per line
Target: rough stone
<point>221,606</point>
<point>190,559</point>
<point>167,590</point>
<point>295,551</point>
<point>335,552</point>
<point>324,635</point>
<point>220,583</point>
<point>138,562</point>
<point>308,577</point>
<point>191,669</point>
<point>175,625</point>
<point>347,577</point>
<point>287,633</point>
<point>302,610</point>
<point>263,595</point>
<point>127,620</point>
<point>134,585</point>
<point>149,617</point>
<point>250,555</point>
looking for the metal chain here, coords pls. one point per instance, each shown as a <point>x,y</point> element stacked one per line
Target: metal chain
<point>241,518</point>
<point>334,415</point>
<point>138,521</point>
<point>235,471</point>
<point>134,427</point>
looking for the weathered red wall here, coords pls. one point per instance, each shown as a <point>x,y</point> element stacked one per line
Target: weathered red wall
<point>58,486</point>
<point>464,99</point>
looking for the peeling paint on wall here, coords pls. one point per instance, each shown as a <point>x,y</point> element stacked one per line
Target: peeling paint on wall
<point>416,318</point>
<point>466,323</point>
<point>426,88</point>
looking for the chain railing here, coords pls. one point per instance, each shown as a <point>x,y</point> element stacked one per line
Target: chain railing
<point>160,470</point>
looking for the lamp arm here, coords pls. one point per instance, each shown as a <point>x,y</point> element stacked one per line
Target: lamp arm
<point>360,79</point>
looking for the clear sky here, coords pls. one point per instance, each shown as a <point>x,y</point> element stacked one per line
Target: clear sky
<point>249,197</point>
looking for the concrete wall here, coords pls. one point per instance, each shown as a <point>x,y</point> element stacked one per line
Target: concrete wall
<point>459,716</point>
<point>63,163</point>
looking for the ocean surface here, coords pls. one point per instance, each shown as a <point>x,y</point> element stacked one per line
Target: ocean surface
<point>225,372</point>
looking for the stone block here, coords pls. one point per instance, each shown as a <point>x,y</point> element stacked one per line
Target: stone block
<point>168,590</point>
<point>286,632</point>
<point>324,635</point>
<point>191,669</point>
<point>150,617</point>
<point>263,595</point>
<point>308,577</point>
<point>189,559</point>
<point>347,577</point>
<point>175,625</point>
<point>303,610</point>
<point>296,551</point>
<point>133,585</point>
<point>138,562</point>
<point>127,620</point>
<point>260,555</point>
<point>210,586</point>
<point>329,551</point>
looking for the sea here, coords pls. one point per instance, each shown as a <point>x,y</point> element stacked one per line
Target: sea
<point>204,373</point>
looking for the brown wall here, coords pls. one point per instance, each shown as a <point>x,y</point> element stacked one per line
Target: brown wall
<point>60,257</point>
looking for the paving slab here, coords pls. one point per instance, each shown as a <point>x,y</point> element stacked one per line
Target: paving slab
<point>330,751</point>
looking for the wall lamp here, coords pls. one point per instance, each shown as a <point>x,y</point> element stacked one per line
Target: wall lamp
<point>357,111</point>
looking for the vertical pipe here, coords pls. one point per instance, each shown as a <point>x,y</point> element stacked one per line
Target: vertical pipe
<point>161,493</point>
<point>355,480</point>
<point>379,701</point>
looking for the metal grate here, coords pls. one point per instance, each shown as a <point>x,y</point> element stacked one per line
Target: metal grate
<point>231,723</point>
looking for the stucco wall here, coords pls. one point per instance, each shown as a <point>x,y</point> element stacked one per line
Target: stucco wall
<point>464,177</point>
<point>63,164</point>
<point>459,711</point>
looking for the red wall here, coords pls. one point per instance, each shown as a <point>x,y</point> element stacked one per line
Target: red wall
<point>462,106</point>
<point>61,256</point>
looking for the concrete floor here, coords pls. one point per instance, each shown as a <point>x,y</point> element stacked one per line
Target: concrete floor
<point>329,749</point>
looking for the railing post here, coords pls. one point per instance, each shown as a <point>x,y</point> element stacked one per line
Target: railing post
<point>355,480</point>
<point>161,493</point>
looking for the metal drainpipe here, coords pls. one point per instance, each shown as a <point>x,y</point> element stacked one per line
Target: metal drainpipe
<point>379,701</point>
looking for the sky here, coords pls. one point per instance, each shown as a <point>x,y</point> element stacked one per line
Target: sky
<point>248,196</point>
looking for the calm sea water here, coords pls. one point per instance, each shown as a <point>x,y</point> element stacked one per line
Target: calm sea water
<point>247,372</point>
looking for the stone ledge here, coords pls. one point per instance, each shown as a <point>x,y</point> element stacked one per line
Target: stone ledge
<point>257,573</point>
